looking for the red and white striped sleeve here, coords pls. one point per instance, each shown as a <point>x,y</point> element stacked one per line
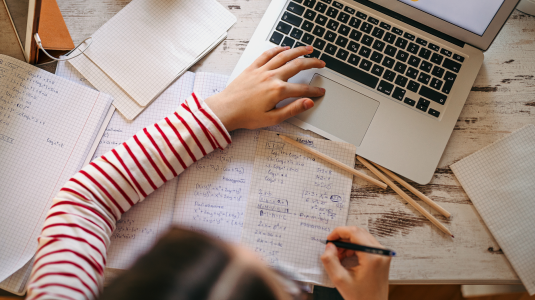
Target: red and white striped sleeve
<point>71,256</point>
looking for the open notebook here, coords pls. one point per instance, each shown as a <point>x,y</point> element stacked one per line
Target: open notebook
<point>210,196</point>
<point>47,127</point>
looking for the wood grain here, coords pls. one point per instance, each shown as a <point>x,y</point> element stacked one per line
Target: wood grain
<point>502,100</point>
<point>9,43</point>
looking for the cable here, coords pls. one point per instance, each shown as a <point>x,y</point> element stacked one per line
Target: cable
<point>40,45</point>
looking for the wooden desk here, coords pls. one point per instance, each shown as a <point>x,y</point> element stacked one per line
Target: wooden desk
<point>502,100</point>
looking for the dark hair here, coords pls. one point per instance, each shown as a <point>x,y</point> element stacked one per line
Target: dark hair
<point>185,265</point>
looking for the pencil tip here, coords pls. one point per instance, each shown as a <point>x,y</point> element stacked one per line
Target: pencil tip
<point>278,134</point>
<point>452,236</point>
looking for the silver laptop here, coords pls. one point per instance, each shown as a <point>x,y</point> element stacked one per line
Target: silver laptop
<point>398,71</point>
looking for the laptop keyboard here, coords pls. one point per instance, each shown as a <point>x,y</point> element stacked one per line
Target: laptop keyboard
<point>373,52</point>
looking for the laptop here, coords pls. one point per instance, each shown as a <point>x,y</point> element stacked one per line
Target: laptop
<point>397,75</point>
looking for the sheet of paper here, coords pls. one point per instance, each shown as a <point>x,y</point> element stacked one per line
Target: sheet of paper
<point>500,181</point>
<point>296,200</point>
<point>44,139</point>
<point>145,46</point>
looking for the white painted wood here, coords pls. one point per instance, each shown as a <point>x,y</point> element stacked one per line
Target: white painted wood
<point>502,100</point>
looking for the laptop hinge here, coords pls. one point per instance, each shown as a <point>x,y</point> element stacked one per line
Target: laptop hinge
<point>411,22</point>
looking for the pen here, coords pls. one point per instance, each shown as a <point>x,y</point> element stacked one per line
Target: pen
<point>361,248</point>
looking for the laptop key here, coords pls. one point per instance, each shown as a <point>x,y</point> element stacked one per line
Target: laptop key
<point>452,65</point>
<point>408,36</point>
<point>421,42</point>
<point>423,104</point>
<point>343,17</point>
<point>343,30</point>
<point>331,49</point>
<point>388,62</point>
<point>433,95</point>
<point>341,41</point>
<point>355,23</point>
<point>412,73</point>
<point>401,43</point>
<point>342,54</point>
<point>288,41</point>
<point>378,32</point>
<point>338,5</point>
<point>349,10</point>
<point>365,64</point>
<point>424,53</point>
<point>409,101</point>
<point>321,19</point>
<point>354,60</point>
<point>385,87</point>
<point>321,7</point>
<point>413,48</point>
<point>414,61</point>
<point>308,38</point>
<point>378,45</point>
<point>389,75</point>
<point>283,27</point>
<point>355,35</point>
<point>413,86</point>
<point>390,51</point>
<point>319,44</point>
<point>332,12</point>
<point>400,67</point>
<point>424,78</point>
<point>367,40</point>
<point>365,51</point>
<point>437,58</point>
<point>433,112</point>
<point>296,8</point>
<point>299,44</point>
<point>376,57</point>
<point>366,27</point>
<point>397,31</point>
<point>434,47</point>
<point>330,36</point>
<point>437,71</point>
<point>318,31</point>
<point>353,47</point>
<point>309,3</point>
<point>327,1</point>
<point>426,66</point>
<point>332,25</point>
<point>445,52</point>
<point>385,26</point>
<point>296,33</point>
<point>401,81</point>
<point>402,56</point>
<point>362,15</point>
<point>292,19</point>
<point>449,79</point>
<point>373,20</point>
<point>457,57</point>
<point>377,70</point>
<point>398,94</point>
<point>276,38</point>
<point>307,26</point>
<point>310,15</point>
<point>436,83</point>
<point>389,38</point>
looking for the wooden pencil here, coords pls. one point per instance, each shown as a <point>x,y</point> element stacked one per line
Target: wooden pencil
<point>333,161</point>
<point>405,196</point>
<point>413,190</point>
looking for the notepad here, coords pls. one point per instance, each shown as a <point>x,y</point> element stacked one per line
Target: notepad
<point>139,52</point>
<point>47,128</point>
<point>500,181</point>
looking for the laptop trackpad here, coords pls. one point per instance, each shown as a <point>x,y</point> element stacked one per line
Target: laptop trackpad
<point>342,112</point>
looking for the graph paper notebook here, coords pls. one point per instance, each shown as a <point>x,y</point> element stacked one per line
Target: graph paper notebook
<point>47,127</point>
<point>500,181</point>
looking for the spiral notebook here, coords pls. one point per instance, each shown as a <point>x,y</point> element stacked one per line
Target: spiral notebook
<point>500,181</point>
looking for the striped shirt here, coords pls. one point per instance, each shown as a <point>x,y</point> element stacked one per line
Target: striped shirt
<point>71,257</point>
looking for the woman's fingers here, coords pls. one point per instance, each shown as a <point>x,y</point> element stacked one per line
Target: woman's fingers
<point>291,90</point>
<point>267,56</point>
<point>298,106</point>
<point>297,65</point>
<point>337,273</point>
<point>285,56</point>
<point>354,235</point>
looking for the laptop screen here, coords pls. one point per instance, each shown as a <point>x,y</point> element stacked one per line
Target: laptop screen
<point>474,15</point>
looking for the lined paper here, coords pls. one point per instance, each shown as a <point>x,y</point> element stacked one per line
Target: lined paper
<point>295,201</point>
<point>500,181</point>
<point>44,138</point>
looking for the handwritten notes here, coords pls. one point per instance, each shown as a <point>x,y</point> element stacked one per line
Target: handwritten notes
<point>295,200</point>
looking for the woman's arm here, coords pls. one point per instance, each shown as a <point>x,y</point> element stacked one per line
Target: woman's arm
<point>71,257</point>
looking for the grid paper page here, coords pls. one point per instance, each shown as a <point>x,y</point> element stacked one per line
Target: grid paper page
<point>145,46</point>
<point>500,181</point>
<point>296,200</point>
<point>69,72</point>
<point>16,283</point>
<point>47,126</point>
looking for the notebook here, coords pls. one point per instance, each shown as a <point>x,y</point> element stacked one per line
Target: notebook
<point>47,127</point>
<point>139,52</point>
<point>210,196</point>
<point>500,181</point>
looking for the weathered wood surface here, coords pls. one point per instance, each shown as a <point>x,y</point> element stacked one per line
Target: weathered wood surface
<point>9,44</point>
<point>502,100</point>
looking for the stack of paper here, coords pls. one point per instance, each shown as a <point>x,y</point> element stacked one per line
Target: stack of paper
<point>138,53</point>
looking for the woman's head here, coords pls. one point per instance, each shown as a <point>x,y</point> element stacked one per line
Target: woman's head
<point>186,265</point>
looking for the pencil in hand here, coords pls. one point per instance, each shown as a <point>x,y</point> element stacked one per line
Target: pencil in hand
<point>361,248</point>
